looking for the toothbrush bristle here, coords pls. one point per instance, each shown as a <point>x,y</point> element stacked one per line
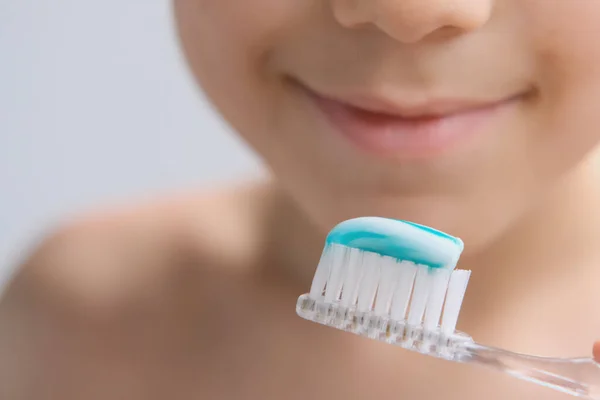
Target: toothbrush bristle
<point>374,295</point>
<point>454,298</point>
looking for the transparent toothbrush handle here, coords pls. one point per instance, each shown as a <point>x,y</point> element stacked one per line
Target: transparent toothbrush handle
<point>579,377</point>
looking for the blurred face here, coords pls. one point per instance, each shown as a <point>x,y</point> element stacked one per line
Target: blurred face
<point>460,114</point>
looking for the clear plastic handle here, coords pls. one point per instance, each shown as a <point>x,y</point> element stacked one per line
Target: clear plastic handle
<point>579,377</point>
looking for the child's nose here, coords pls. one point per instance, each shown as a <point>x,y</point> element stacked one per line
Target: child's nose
<point>410,21</point>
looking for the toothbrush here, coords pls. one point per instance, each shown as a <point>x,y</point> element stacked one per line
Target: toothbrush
<point>396,282</point>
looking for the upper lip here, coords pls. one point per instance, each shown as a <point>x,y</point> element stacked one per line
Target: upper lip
<point>400,106</point>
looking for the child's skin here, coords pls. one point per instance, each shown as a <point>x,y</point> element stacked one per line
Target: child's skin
<point>193,297</point>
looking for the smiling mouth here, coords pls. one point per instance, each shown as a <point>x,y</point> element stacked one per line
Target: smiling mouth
<point>404,129</point>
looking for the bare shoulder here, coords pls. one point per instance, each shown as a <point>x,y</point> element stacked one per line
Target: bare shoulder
<point>101,281</point>
<point>111,251</point>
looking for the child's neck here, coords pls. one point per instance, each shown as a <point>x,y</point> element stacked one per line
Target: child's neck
<point>557,237</point>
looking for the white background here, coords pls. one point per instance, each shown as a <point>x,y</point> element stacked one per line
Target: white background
<point>96,106</point>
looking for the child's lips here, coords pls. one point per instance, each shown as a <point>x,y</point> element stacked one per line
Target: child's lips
<point>415,131</point>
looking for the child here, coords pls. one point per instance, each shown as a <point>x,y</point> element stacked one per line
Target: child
<point>477,117</point>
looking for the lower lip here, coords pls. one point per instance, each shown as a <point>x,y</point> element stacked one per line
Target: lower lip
<point>407,137</point>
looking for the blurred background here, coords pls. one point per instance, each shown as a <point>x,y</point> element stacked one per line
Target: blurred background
<point>97,107</point>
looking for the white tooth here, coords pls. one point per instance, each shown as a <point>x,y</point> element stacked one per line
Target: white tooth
<point>370,279</point>
<point>336,274</point>
<point>420,296</point>
<point>403,289</point>
<point>390,272</point>
<point>439,285</point>
<point>454,298</point>
<point>353,278</point>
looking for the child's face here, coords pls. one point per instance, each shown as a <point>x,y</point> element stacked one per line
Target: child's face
<point>514,86</point>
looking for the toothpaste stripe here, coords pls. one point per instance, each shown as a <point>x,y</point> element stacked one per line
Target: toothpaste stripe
<point>399,239</point>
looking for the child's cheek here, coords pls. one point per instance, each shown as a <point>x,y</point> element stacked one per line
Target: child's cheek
<point>229,44</point>
<point>568,75</point>
<point>564,36</point>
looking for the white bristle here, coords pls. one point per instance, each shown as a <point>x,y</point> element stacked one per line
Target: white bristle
<point>390,272</point>
<point>383,286</point>
<point>353,277</point>
<point>454,298</point>
<point>337,271</point>
<point>370,280</point>
<point>403,289</point>
<point>435,304</point>
<point>321,275</point>
<point>420,296</point>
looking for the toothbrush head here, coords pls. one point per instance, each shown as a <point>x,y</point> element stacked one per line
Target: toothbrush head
<point>392,281</point>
